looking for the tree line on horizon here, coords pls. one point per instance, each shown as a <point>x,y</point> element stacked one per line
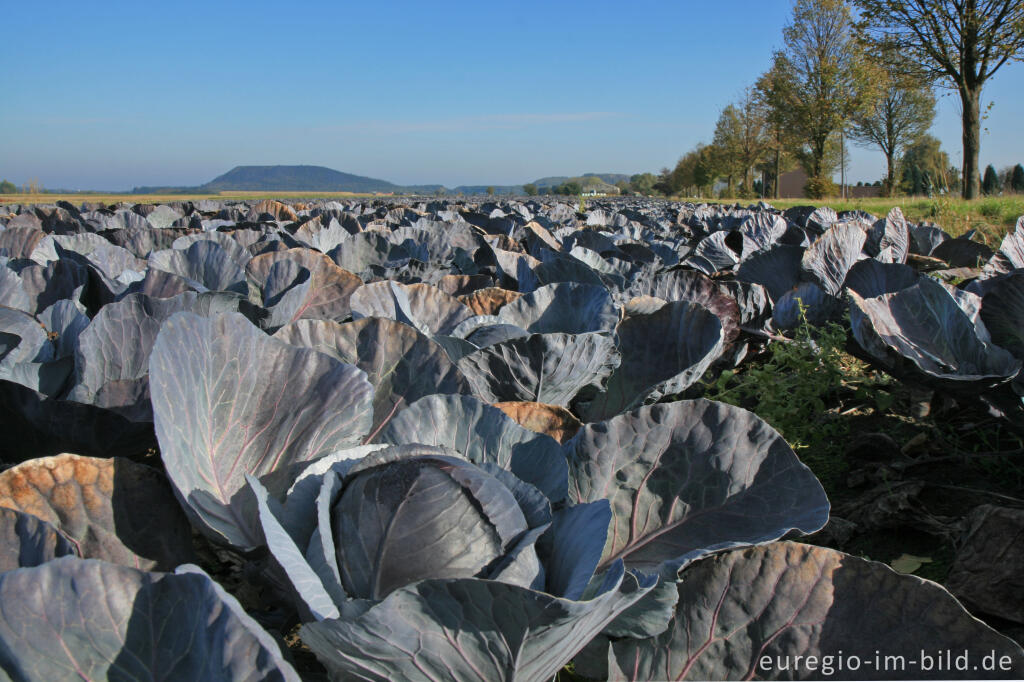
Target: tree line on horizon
<point>862,71</point>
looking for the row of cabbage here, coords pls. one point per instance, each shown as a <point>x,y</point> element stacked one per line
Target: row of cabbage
<point>340,392</point>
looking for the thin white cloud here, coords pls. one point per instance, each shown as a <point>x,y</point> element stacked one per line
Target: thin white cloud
<point>468,123</point>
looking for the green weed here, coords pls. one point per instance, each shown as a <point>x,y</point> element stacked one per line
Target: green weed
<point>797,389</point>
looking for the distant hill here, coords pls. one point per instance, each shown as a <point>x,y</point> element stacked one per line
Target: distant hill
<point>321,179</point>
<point>295,178</point>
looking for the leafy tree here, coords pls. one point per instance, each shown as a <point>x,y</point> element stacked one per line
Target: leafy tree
<point>7,187</point>
<point>695,172</point>
<point>726,145</point>
<point>530,189</point>
<point>624,187</point>
<point>820,187</point>
<point>771,92</point>
<point>490,191</point>
<point>990,185</point>
<point>925,164</point>
<point>961,43</point>
<point>567,188</point>
<point>664,183</point>
<point>1005,176</point>
<point>1017,179</point>
<point>643,183</point>
<point>902,114</point>
<point>820,80</point>
<point>704,170</point>
<point>742,138</point>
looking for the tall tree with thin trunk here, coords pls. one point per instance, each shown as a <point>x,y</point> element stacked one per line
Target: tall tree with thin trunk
<point>726,145</point>
<point>902,114</point>
<point>960,43</point>
<point>822,79</point>
<point>771,92</point>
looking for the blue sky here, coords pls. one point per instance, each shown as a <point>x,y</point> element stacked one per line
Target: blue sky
<point>112,95</point>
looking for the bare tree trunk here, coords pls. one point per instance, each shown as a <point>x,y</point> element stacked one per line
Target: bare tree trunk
<point>842,163</point>
<point>890,174</point>
<point>972,140</point>
<point>778,159</point>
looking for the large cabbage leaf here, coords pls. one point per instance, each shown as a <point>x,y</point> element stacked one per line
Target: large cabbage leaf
<point>565,307</point>
<point>778,269</point>
<point>402,364</point>
<point>483,434</point>
<point>663,352</point>
<point>86,619</point>
<point>924,325</point>
<point>27,540</point>
<point>690,477</point>
<point>792,611</point>
<point>112,357</point>
<point>469,629</point>
<point>322,292</point>
<point>546,368</point>
<point>832,255</point>
<point>1002,310</point>
<point>229,400</point>
<point>422,306</point>
<point>111,508</point>
<point>204,265</point>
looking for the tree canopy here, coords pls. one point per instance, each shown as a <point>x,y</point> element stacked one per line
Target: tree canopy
<point>820,80</point>
<point>960,43</point>
<point>903,113</point>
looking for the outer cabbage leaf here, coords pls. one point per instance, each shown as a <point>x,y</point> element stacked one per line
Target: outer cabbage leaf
<point>12,291</point>
<point>468,629</point>
<point>49,283</point>
<point>717,249</point>
<point>26,540</point>
<point>832,255</point>
<point>229,400</point>
<point>690,477</point>
<point>112,509</point>
<point>924,325</point>
<point>112,357</point>
<point>763,230</point>
<point>778,270</point>
<point>86,619</point>
<point>551,420</point>
<point>1010,255</point>
<point>325,295</point>
<point>358,253</point>
<point>819,306</point>
<point>688,285</point>
<point>870,278</point>
<point>775,603</point>
<point>963,252</point>
<point>402,364</point>
<point>422,306</point>
<point>489,300</point>
<point>205,265</point>
<point>1002,310</point>
<point>566,307</point>
<point>547,368</point>
<point>482,434</point>
<point>662,353</point>
<point>890,233</point>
